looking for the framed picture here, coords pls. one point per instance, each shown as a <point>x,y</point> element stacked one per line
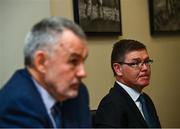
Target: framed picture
<point>164,16</point>
<point>98,17</point>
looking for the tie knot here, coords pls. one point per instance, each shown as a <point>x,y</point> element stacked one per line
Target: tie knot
<point>141,98</point>
<point>56,107</point>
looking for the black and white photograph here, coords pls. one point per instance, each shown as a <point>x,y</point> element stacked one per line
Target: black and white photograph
<point>164,16</point>
<point>98,17</point>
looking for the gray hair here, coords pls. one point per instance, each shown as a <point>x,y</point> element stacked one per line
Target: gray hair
<point>43,36</point>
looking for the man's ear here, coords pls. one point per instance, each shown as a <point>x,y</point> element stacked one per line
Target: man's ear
<point>40,60</point>
<point>118,69</point>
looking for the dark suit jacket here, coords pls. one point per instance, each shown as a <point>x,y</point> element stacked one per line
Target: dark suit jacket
<point>118,110</point>
<point>21,106</point>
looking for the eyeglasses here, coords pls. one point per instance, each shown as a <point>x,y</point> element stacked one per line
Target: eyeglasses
<point>138,64</point>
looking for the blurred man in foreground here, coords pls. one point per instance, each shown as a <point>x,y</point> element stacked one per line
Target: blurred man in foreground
<point>48,92</point>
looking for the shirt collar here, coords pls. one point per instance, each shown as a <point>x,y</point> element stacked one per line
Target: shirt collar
<point>48,100</point>
<point>133,93</point>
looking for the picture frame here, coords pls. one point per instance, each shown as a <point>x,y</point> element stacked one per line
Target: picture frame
<point>164,17</point>
<point>98,17</point>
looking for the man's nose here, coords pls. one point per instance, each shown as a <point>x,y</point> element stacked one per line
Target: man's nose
<point>81,71</point>
<point>144,66</point>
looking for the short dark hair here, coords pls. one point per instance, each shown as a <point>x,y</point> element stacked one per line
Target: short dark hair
<point>122,47</point>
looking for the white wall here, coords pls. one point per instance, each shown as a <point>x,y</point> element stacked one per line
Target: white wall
<point>17,17</point>
<point>1,57</point>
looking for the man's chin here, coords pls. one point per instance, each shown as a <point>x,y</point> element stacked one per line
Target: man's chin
<point>144,85</point>
<point>72,94</point>
<point>144,82</point>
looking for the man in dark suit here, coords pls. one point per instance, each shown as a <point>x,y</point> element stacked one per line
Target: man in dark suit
<point>48,92</point>
<point>126,106</point>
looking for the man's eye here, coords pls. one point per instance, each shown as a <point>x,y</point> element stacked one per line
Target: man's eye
<point>74,61</point>
<point>135,64</point>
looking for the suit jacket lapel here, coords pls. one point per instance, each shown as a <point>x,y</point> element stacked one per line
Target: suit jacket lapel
<point>36,97</point>
<point>131,103</point>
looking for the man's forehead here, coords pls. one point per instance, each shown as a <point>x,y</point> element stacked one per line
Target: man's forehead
<point>74,51</point>
<point>137,53</point>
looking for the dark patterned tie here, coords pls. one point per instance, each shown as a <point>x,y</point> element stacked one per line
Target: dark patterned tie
<point>147,115</point>
<point>56,113</point>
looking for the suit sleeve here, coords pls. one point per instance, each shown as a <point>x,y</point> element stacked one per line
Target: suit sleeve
<point>108,115</point>
<point>19,117</point>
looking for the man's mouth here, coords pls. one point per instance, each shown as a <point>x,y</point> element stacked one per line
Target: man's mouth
<point>145,76</point>
<point>75,86</point>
